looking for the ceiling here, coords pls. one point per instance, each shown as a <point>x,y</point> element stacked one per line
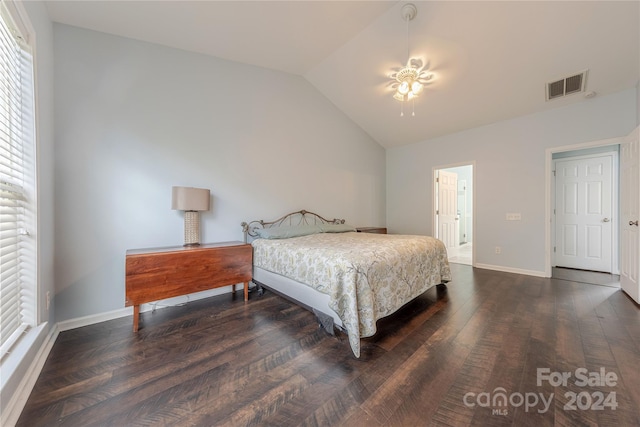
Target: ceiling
<point>491,60</point>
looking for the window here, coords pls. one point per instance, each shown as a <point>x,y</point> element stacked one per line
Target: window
<point>17,182</point>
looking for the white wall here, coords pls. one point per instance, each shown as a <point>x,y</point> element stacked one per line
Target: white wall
<point>45,152</point>
<point>133,119</point>
<point>510,175</point>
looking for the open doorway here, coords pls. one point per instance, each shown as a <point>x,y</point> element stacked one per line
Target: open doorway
<point>584,212</point>
<point>454,211</point>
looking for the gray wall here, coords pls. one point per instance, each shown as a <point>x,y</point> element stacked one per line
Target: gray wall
<point>510,175</point>
<point>133,119</point>
<point>638,102</point>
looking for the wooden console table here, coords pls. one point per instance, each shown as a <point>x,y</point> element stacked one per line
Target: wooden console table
<point>158,273</point>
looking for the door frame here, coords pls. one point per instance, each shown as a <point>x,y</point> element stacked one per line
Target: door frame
<point>550,200</point>
<point>434,225</point>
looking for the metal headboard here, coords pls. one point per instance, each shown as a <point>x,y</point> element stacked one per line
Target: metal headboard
<point>294,218</point>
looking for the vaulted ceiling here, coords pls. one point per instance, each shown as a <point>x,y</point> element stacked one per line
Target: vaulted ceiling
<point>491,60</point>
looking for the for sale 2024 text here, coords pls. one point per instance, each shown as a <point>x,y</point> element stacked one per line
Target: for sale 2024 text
<point>582,377</point>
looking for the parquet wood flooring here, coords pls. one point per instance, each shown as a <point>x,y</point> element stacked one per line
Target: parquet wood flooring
<point>221,362</point>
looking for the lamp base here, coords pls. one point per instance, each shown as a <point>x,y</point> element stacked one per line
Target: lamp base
<point>191,228</point>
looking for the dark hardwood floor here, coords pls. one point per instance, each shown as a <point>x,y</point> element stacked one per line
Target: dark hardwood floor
<point>584,276</point>
<point>444,359</point>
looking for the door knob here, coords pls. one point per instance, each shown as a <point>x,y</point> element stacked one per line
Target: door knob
<point>606,220</point>
<point>633,223</point>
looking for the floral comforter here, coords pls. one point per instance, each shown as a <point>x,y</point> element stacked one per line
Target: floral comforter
<point>367,276</point>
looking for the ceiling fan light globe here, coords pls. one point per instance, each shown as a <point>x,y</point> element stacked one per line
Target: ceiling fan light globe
<point>404,88</point>
<point>416,87</point>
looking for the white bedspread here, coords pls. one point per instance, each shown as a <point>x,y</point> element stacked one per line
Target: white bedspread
<point>367,276</point>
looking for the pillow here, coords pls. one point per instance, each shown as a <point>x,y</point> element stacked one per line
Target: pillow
<point>285,232</point>
<point>336,228</point>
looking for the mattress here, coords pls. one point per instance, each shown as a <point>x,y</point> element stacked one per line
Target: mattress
<point>366,276</point>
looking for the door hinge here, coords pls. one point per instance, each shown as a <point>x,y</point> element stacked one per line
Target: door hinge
<point>438,179</point>
<point>554,173</point>
<point>554,249</point>
<point>437,212</point>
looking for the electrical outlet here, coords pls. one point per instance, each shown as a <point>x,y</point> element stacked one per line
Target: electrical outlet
<point>48,299</point>
<point>498,250</point>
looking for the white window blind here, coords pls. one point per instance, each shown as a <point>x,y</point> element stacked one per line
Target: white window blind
<point>17,257</point>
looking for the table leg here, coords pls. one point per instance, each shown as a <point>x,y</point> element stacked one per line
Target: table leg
<point>136,317</point>
<point>246,291</point>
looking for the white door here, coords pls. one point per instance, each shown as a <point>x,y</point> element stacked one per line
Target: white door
<point>584,213</point>
<point>629,215</point>
<point>447,212</point>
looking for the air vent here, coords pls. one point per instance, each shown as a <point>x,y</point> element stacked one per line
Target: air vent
<point>567,86</point>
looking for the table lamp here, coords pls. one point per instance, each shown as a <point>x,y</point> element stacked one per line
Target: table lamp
<point>191,200</point>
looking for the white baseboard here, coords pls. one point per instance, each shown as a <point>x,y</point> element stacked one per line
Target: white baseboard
<point>79,322</point>
<point>511,270</point>
<point>18,400</point>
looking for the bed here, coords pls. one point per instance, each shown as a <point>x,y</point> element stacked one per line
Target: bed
<point>349,278</point>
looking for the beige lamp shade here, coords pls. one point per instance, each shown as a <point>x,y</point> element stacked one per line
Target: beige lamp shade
<point>190,199</point>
